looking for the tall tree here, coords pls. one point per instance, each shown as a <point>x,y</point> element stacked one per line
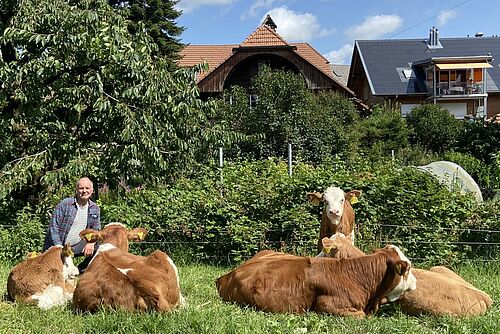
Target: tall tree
<point>159,19</point>
<point>84,96</point>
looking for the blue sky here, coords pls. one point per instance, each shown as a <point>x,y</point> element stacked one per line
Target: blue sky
<point>331,26</point>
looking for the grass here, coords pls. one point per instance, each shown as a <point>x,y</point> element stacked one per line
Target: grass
<point>206,313</point>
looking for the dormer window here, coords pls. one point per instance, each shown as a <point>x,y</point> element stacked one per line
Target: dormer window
<point>408,73</point>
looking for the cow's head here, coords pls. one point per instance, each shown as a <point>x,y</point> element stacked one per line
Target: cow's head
<point>399,277</point>
<point>335,199</point>
<point>115,234</point>
<point>70,271</point>
<point>338,246</point>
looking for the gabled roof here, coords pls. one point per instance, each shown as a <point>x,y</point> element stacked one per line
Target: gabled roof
<point>263,36</point>
<point>382,60</point>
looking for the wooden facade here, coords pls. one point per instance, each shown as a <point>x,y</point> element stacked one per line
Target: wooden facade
<point>237,64</point>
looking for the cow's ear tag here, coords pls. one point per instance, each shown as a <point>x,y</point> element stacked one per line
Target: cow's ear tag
<point>327,250</point>
<point>353,199</point>
<point>88,236</point>
<point>33,255</point>
<point>141,235</point>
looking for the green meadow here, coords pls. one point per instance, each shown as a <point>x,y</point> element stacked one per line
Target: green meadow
<point>205,312</point>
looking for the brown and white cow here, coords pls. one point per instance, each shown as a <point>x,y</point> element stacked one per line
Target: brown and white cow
<point>44,279</point>
<point>120,280</point>
<point>338,246</point>
<point>278,282</point>
<point>338,215</point>
<point>439,291</point>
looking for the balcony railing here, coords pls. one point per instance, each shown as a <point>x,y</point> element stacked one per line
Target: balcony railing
<point>459,88</point>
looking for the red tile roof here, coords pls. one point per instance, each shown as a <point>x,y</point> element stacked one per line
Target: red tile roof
<point>264,36</point>
<point>215,55</point>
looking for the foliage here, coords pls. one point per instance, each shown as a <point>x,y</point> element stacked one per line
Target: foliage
<point>259,206</point>
<point>159,18</point>
<point>27,235</point>
<point>330,127</point>
<point>433,128</point>
<point>384,130</point>
<point>317,126</point>
<point>480,140</point>
<point>84,96</point>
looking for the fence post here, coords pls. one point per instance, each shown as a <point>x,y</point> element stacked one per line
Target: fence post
<point>221,163</point>
<point>289,159</point>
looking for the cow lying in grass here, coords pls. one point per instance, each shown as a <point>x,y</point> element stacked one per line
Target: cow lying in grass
<point>44,279</point>
<point>120,280</point>
<point>338,215</point>
<point>278,282</point>
<point>439,291</point>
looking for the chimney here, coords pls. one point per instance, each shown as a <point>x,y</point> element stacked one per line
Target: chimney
<point>433,42</point>
<point>479,34</point>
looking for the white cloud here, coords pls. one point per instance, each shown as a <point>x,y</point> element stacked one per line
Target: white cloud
<point>444,17</point>
<point>190,5</point>
<point>340,56</point>
<point>294,26</point>
<point>375,26</point>
<point>254,9</point>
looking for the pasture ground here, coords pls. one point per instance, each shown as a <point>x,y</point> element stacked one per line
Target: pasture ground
<point>206,313</point>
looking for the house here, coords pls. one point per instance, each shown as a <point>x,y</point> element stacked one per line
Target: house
<point>236,64</point>
<point>460,74</point>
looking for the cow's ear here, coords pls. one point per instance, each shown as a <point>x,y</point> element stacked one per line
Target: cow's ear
<point>353,195</point>
<point>137,234</point>
<point>401,267</point>
<point>67,251</point>
<point>328,245</point>
<point>315,198</point>
<point>89,235</point>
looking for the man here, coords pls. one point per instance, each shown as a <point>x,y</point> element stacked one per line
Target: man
<point>71,216</point>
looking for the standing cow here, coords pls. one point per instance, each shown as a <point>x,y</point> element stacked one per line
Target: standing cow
<point>45,279</point>
<point>120,280</point>
<point>278,282</point>
<point>439,291</point>
<point>338,215</point>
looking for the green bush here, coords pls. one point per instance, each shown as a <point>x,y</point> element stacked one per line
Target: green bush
<point>434,128</point>
<point>383,131</point>
<point>259,206</point>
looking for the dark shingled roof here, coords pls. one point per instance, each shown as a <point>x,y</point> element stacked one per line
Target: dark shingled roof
<point>382,59</point>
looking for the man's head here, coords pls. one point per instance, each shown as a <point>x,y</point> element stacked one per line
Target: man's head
<point>84,189</point>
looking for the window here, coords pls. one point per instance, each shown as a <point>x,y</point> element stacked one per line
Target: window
<point>254,99</point>
<point>408,73</point>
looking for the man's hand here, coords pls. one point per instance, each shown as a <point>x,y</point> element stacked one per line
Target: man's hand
<point>88,250</point>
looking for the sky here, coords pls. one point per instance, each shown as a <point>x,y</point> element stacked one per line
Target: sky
<point>332,26</point>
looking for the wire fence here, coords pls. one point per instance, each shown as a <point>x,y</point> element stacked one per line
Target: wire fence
<point>486,243</point>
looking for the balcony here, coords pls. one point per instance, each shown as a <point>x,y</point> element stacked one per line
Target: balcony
<point>459,88</point>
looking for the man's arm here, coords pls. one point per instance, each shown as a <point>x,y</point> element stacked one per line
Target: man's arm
<point>55,224</point>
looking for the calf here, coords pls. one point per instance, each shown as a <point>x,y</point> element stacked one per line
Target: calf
<point>278,282</point>
<point>44,279</point>
<point>120,280</point>
<point>338,246</point>
<point>439,290</point>
<point>338,215</point>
